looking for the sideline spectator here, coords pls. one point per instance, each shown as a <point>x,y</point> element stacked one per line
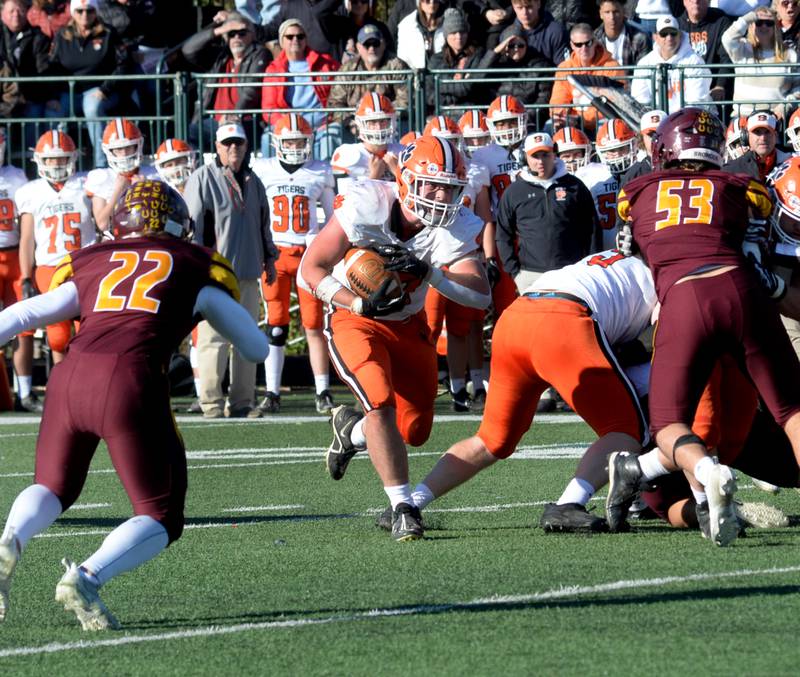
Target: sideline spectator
<point>762,156</point>
<point>705,26</point>
<point>373,56</point>
<point>49,16</point>
<point>86,46</point>
<point>546,218</point>
<point>546,35</point>
<point>755,39</point>
<point>686,86</point>
<point>789,16</point>
<point>626,43</point>
<point>570,104</point>
<point>352,16</point>
<point>456,54</point>
<point>648,12</point>
<point>229,207</point>
<point>420,34</point>
<point>572,12</point>
<point>228,48</point>
<point>514,52</point>
<point>304,92</point>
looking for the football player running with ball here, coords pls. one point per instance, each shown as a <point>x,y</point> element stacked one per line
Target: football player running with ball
<point>379,344</point>
<point>137,297</point>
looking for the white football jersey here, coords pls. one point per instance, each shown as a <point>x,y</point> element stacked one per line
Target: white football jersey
<point>11,180</point>
<point>353,159</point>
<point>619,290</point>
<point>62,220</point>
<point>477,179</point>
<point>502,166</point>
<point>365,213</point>
<point>293,198</point>
<point>604,187</point>
<point>100,182</point>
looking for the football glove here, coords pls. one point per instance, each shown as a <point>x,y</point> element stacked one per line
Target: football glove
<point>400,260</point>
<point>755,240</point>
<point>378,304</point>
<point>29,289</point>
<point>492,271</point>
<point>772,283</point>
<point>624,240</point>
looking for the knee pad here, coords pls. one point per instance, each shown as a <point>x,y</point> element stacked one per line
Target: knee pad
<point>277,334</point>
<point>690,438</point>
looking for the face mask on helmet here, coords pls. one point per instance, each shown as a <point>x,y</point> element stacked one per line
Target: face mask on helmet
<point>150,208</point>
<point>55,156</point>
<point>175,171</point>
<point>378,129</point>
<point>573,147</point>
<point>292,148</point>
<point>506,130</point>
<point>125,157</point>
<point>473,141</point>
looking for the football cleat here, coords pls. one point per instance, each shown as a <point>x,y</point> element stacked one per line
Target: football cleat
<point>324,402</point>
<point>31,404</point>
<point>547,402</point>
<point>723,524</point>
<point>460,400</point>
<point>9,556</point>
<point>624,478</point>
<point>760,515</point>
<point>571,518</point>
<point>79,595</point>
<point>766,486</point>
<point>407,523</point>
<point>385,519</point>
<point>194,408</point>
<point>701,510</point>
<point>343,418</point>
<point>478,401</point>
<point>271,404</point>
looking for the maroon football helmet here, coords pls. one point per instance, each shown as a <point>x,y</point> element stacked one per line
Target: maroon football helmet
<point>150,207</point>
<point>689,134</point>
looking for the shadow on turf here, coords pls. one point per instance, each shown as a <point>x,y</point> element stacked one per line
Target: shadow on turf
<point>475,607</point>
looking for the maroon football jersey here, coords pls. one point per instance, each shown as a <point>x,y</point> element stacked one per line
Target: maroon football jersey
<point>684,221</point>
<point>138,295</point>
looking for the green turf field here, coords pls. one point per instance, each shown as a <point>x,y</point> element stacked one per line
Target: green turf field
<point>281,571</point>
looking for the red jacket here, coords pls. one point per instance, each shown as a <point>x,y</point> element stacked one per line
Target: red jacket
<point>275,97</point>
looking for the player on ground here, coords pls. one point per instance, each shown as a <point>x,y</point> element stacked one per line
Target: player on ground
<point>13,286</point>
<point>137,297</point>
<point>295,185</point>
<point>690,221</point>
<point>122,145</point>
<point>174,161</point>
<point>375,156</point>
<point>380,345</point>
<point>560,332</point>
<point>55,220</point>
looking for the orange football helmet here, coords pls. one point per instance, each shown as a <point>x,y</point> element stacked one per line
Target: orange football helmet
<point>183,159</point>
<point>793,130</point>
<point>474,131</point>
<point>427,165</point>
<point>376,119</point>
<point>54,144</point>
<point>445,128</point>
<point>736,139</point>
<point>292,127</point>
<point>785,183</point>
<point>569,139</point>
<point>118,134</point>
<point>503,108</point>
<point>616,145</point>
<point>409,138</point>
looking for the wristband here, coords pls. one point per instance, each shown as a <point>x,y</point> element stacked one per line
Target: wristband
<point>357,306</point>
<point>327,289</point>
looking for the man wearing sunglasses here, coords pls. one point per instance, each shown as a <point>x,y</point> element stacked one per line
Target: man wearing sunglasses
<point>228,47</point>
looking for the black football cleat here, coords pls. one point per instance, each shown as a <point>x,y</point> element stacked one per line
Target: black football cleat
<point>571,518</point>
<point>624,480</point>
<point>460,400</point>
<point>406,523</point>
<point>324,402</point>
<point>385,519</point>
<point>478,402</point>
<point>342,449</point>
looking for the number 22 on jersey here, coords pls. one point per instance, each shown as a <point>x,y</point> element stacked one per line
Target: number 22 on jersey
<point>685,201</point>
<point>145,282</point>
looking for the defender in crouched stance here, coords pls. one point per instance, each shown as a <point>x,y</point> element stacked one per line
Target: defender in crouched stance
<point>137,297</point>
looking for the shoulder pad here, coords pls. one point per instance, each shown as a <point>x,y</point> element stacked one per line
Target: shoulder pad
<point>365,204</point>
<point>346,157</point>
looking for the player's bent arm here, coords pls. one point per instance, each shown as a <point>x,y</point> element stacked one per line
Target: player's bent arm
<point>54,306</point>
<point>232,320</point>
<point>314,272</point>
<point>465,283</point>
<point>27,245</point>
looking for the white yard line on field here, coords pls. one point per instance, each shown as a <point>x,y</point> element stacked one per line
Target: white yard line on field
<point>563,592</point>
<point>258,508</point>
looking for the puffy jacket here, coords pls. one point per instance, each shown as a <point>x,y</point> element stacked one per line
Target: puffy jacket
<point>275,97</point>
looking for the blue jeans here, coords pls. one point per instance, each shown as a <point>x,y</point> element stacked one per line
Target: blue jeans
<point>91,107</point>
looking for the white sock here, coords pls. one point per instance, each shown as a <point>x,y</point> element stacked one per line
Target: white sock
<point>399,494</point>
<point>193,357</point>
<point>35,509</point>
<point>699,496</point>
<point>132,543</point>
<point>651,465</point>
<point>357,436</point>
<point>476,376</point>
<point>702,469</point>
<point>24,385</point>
<point>322,383</point>
<point>197,387</point>
<point>457,384</point>
<point>273,368</point>
<point>422,495</point>
<point>578,491</point>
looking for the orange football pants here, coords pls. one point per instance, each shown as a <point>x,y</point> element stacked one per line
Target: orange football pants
<point>278,294</point>
<point>387,364</point>
<point>58,334</point>
<point>439,308</point>
<point>542,342</point>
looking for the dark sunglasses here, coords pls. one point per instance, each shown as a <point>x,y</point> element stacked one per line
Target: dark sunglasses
<point>295,36</point>
<point>514,46</point>
<point>578,45</point>
<point>372,44</point>
<point>233,142</point>
<point>87,10</point>
<point>668,34</point>
<point>238,33</point>
<point>761,23</point>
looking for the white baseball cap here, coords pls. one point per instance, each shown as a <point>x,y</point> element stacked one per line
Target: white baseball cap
<point>651,120</point>
<point>761,119</point>
<point>538,141</point>
<point>82,4</point>
<point>667,21</point>
<point>230,130</point>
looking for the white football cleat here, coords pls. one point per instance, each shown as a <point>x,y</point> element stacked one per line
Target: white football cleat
<point>9,556</point>
<point>724,527</point>
<point>760,515</point>
<point>765,486</point>
<point>79,595</point>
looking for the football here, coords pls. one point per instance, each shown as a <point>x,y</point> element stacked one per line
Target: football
<point>365,273</point>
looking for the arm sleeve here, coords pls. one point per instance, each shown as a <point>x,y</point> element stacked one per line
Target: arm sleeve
<point>231,320</point>
<point>39,311</point>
